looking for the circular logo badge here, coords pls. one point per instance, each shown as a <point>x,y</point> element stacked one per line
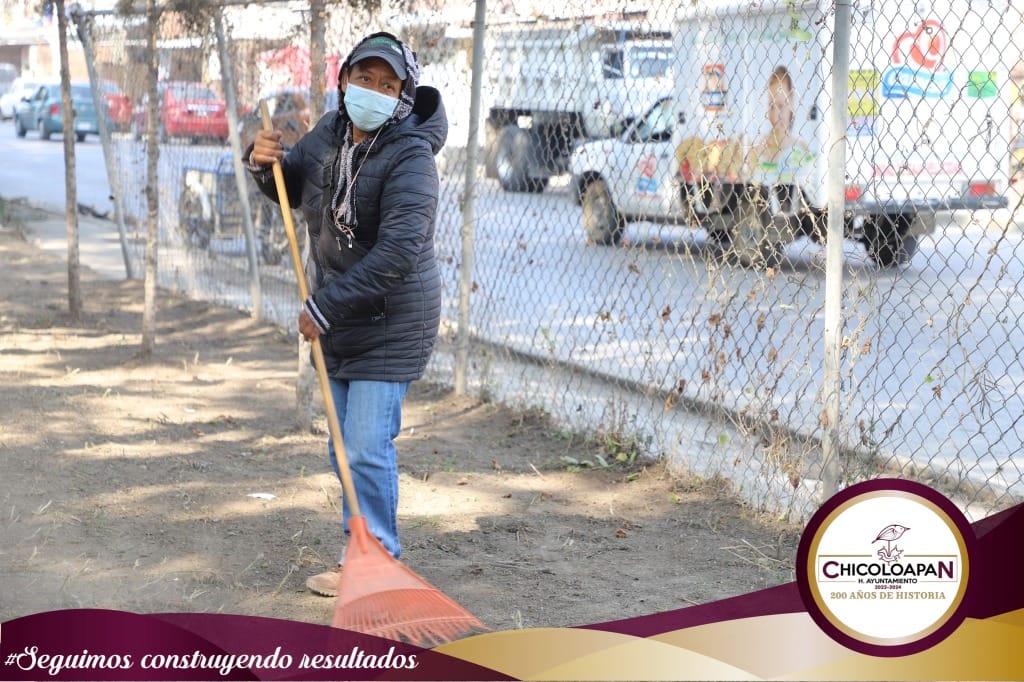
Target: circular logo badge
<point>883,567</point>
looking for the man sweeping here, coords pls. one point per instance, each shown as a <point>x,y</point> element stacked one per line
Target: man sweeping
<point>367,183</point>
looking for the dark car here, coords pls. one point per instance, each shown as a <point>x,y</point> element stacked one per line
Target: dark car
<point>190,110</point>
<point>42,111</point>
<point>289,113</point>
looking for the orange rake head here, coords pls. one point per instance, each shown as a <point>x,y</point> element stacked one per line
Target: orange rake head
<point>378,595</point>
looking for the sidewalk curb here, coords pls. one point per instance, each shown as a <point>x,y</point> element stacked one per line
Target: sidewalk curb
<point>99,243</point>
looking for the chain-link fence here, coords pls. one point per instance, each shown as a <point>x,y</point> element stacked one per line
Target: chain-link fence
<point>641,250</point>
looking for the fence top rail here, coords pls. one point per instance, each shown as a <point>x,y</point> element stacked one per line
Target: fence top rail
<point>140,9</point>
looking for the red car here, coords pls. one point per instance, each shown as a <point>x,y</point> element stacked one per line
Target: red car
<point>119,105</point>
<point>191,110</point>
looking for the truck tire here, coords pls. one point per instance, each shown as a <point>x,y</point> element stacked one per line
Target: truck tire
<point>512,161</point>
<point>490,150</point>
<point>886,240</point>
<point>601,220</point>
<point>750,242</point>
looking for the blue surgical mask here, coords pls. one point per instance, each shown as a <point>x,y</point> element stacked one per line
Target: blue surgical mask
<point>368,109</point>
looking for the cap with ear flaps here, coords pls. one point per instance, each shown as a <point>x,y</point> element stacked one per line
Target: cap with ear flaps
<point>388,47</point>
<point>383,46</point>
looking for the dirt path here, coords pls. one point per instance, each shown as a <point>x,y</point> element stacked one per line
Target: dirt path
<point>181,483</point>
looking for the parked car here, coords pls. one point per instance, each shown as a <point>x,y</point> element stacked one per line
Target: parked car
<point>20,89</point>
<point>209,211</point>
<point>186,109</point>
<point>8,74</point>
<point>289,113</point>
<point>42,112</point>
<point>208,207</point>
<point>119,105</point>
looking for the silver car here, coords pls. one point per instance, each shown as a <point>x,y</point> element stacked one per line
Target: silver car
<point>20,89</point>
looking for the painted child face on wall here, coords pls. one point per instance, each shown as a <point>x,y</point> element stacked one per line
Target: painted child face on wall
<point>780,104</point>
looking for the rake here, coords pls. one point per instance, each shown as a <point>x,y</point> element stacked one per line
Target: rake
<point>377,594</point>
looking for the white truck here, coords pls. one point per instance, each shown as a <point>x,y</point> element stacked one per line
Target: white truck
<point>741,148</point>
<point>552,87</point>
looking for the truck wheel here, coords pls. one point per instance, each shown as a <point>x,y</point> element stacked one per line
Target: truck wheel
<point>601,220</point>
<point>886,240</point>
<point>194,227</point>
<point>490,150</point>
<point>512,162</point>
<point>750,242</point>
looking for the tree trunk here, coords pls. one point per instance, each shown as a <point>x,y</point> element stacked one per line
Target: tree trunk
<point>305,388</point>
<point>152,182</point>
<point>70,187</point>
<point>317,60</point>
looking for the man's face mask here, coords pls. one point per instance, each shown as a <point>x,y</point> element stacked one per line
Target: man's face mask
<point>368,109</point>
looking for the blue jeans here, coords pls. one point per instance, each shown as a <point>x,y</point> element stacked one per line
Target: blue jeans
<point>370,414</point>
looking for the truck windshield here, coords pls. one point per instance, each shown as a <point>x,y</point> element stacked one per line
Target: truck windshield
<point>647,62</point>
<point>611,63</point>
<point>656,126</point>
<point>637,62</point>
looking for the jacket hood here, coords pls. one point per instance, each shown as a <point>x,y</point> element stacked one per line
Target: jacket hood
<point>428,119</point>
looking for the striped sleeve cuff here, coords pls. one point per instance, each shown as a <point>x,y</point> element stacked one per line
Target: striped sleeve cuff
<point>318,318</point>
<point>256,169</point>
<point>251,165</point>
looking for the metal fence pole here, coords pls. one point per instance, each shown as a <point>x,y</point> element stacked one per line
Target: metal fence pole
<point>82,22</point>
<point>227,78</point>
<point>469,200</point>
<point>834,247</point>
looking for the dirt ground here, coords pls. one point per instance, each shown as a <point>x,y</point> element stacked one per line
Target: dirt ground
<point>181,482</point>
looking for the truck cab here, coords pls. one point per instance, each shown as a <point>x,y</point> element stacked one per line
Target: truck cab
<point>555,86</point>
<point>742,146</point>
<point>628,177</point>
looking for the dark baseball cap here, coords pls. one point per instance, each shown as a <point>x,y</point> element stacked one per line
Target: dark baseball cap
<point>383,47</point>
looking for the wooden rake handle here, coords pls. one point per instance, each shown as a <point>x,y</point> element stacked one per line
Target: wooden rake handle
<point>347,485</point>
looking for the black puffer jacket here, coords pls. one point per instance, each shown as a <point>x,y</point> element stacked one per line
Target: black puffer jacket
<point>383,312</point>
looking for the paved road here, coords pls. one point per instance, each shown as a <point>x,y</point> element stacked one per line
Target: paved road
<point>931,373</point>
